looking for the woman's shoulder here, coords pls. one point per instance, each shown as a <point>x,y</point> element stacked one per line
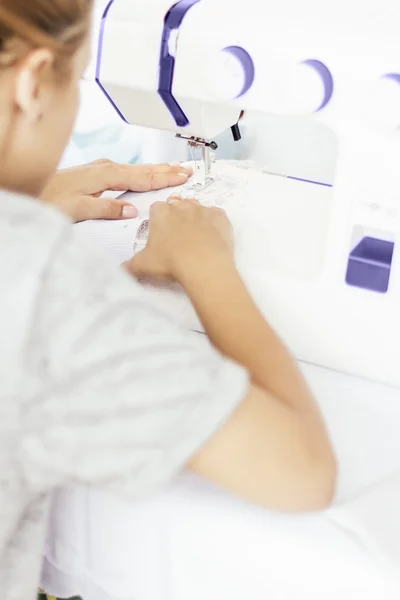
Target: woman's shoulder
<point>19,210</point>
<point>28,224</point>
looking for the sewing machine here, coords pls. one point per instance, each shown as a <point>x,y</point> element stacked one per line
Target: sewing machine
<point>202,65</point>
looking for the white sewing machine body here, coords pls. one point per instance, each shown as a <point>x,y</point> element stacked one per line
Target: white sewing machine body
<point>343,65</point>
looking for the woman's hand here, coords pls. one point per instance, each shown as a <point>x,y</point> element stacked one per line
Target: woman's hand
<point>77,191</point>
<point>183,235</point>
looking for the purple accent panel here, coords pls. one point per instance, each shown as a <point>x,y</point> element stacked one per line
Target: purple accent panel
<point>329,185</point>
<point>247,65</point>
<point>393,77</point>
<point>326,77</point>
<point>369,264</point>
<point>173,20</point>
<point>99,54</point>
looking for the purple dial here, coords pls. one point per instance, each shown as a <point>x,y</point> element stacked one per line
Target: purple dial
<point>247,64</point>
<point>326,78</point>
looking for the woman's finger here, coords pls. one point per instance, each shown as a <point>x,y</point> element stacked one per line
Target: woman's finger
<point>141,178</point>
<point>157,180</point>
<point>174,200</point>
<point>174,167</point>
<point>104,208</point>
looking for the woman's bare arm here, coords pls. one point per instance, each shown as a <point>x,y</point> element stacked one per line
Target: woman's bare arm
<point>274,450</point>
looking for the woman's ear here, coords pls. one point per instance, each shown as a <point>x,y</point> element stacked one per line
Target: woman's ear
<point>30,83</point>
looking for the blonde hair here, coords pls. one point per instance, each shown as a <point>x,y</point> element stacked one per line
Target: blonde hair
<point>59,25</point>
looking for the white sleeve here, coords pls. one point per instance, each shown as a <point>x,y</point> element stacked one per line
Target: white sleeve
<point>126,396</point>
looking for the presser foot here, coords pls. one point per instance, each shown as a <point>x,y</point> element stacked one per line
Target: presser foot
<point>202,176</point>
<point>199,186</point>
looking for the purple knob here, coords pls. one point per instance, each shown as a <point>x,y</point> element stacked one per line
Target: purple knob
<point>326,78</point>
<point>393,77</point>
<point>247,64</point>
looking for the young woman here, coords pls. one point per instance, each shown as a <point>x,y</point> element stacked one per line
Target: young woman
<point>98,384</point>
